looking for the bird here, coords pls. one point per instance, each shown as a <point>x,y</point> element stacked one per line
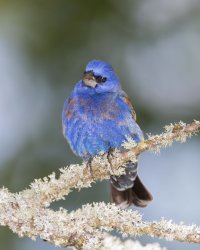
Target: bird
<point>98,117</point>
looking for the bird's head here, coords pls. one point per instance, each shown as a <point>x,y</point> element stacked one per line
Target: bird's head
<point>100,77</point>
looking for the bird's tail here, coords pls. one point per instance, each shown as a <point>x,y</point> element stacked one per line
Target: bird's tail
<point>127,189</point>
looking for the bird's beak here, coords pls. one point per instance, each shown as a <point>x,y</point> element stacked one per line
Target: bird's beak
<point>89,79</point>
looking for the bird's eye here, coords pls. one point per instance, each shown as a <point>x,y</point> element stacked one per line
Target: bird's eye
<point>104,79</point>
<point>100,79</point>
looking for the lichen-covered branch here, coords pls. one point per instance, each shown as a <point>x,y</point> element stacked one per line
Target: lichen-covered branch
<point>26,212</point>
<point>78,176</point>
<point>84,228</point>
<point>174,132</point>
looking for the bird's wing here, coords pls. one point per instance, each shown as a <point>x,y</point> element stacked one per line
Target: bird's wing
<point>67,112</point>
<point>126,99</point>
<point>64,120</point>
<point>133,126</point>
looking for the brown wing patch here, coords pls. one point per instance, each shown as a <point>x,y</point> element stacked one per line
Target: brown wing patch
<point>128,101</point>
<point>71,102</point>
<point>68,114</point>
<point>70,106</point>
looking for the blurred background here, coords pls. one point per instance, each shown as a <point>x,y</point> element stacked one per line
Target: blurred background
<point>153,45</point>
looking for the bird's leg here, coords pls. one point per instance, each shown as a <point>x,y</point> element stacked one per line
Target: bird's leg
<point>109,158</point>
<point>89,166</point>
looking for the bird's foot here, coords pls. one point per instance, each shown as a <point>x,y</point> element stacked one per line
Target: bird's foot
<point>89,167</point>
<point>109,158</point>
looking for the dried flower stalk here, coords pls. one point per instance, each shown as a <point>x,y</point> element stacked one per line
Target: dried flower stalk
<point>26,213</point>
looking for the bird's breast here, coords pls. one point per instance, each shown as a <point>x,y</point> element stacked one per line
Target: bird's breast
<point>98,109</point>
<point>94,125</point>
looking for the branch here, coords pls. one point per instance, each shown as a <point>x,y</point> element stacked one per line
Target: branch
<point>84,228</point>
<point>78,176</point>
<point>26,213</point>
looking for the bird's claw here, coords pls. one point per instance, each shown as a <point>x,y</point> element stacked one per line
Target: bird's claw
<point>109,158</point>
<point>89,167</point>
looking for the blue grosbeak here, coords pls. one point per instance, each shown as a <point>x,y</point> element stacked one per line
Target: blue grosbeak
<point>98,117</point>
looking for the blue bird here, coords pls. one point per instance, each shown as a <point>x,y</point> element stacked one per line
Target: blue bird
<point>98,117</point>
